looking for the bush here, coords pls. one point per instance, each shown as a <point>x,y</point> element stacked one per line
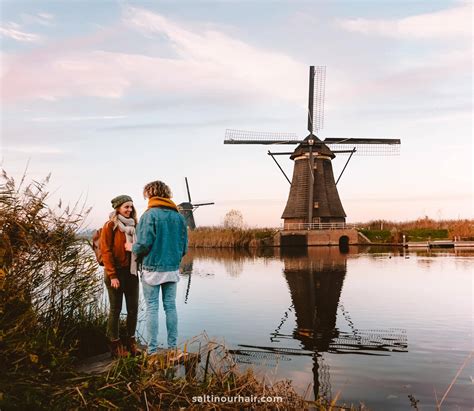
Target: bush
<point>419,234</point>
<point>377,236</point>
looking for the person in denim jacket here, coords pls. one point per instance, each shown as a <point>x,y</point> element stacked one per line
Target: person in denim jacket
<point>162,241</point>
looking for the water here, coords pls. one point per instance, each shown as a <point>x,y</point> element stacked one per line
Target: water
<point>370,326</point>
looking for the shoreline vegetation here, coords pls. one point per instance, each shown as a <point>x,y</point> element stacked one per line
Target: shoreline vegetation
<point>52,318</point>
<point>379,232</point>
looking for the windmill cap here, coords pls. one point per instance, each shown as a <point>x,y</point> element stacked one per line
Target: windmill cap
<point>318,146</point>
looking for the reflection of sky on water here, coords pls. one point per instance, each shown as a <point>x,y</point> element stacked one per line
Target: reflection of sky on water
<point>265,307</point>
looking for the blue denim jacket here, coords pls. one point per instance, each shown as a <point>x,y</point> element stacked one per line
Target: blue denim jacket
<point>162,239</point>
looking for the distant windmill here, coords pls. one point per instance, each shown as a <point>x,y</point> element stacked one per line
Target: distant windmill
<point>313,201</point>
<point>187,208</point>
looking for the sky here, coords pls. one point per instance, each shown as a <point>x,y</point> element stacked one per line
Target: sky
<point>109,95</point>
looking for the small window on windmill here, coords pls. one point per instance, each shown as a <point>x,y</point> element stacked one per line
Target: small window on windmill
<point>316,204</point>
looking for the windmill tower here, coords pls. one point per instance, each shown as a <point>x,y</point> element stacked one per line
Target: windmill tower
<point>187,208</point>
<point>313,201</point>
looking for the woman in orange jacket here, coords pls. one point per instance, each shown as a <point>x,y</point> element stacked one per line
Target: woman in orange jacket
<point>120,273</point>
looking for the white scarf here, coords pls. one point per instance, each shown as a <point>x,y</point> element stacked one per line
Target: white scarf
<point>127,226</point>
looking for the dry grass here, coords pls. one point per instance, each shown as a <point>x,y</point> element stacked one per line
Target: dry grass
<point>139,383</point>
<point>220,237</point>
<point>152,383</point>
<point>49,311</point>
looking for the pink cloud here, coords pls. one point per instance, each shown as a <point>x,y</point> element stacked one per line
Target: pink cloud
<point>13,31</point>
<point>448,23</point>
<point>209,62</point>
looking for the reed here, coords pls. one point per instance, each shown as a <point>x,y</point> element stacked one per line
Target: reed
<point>221,237</point>
<point>48,289</point>
<point>150,383</point>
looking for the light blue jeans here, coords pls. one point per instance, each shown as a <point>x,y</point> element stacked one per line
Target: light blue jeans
<point>151,295</point>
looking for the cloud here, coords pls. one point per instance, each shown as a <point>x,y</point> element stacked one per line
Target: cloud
<point>13,31</point>
<point>43,19</point>
<point>209,64</point>
<point>27,149</point>
<point>45,16</point>
<point>75,118</point>
<point>429,75</point>
<point>444,24</point>
<point>213,53</point>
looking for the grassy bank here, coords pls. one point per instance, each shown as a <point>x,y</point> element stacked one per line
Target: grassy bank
<point>144,383</point>
<point>383,231</point>
<point>377,231</point>
<point>219,237</point>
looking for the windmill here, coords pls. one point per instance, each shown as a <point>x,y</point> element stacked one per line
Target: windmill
<point>187,208</point>
<point>313,201</point>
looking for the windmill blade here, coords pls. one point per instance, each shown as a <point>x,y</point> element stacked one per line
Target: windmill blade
<point>259,137</point>
<point>345,140</point>
<point>317,90</point>
<point>364,146</point>
<point>202,204</point>
<point>367,149</point>
<point>187,189</point>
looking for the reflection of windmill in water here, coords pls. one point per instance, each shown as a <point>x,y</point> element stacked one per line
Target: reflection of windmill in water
<point>315,278</point>
<point>313,201</point>
<point>187,208</point>
<point>186,269</point>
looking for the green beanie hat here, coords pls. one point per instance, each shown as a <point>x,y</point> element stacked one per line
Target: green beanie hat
<point>119,200</point>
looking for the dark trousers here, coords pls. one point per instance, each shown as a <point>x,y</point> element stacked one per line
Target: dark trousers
<point>129,288</point>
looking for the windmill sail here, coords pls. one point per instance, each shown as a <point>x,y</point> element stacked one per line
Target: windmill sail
<point>365,146</point>
<point>259,137</point>
<point>187,189</point>
<point>317,90</point>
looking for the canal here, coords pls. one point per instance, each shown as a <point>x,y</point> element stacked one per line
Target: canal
<point>378,326</point>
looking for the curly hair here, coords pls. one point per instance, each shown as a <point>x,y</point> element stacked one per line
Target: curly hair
<point>157,189</point>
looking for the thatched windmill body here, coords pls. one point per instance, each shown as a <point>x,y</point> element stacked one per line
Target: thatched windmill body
<point>313,200</point>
